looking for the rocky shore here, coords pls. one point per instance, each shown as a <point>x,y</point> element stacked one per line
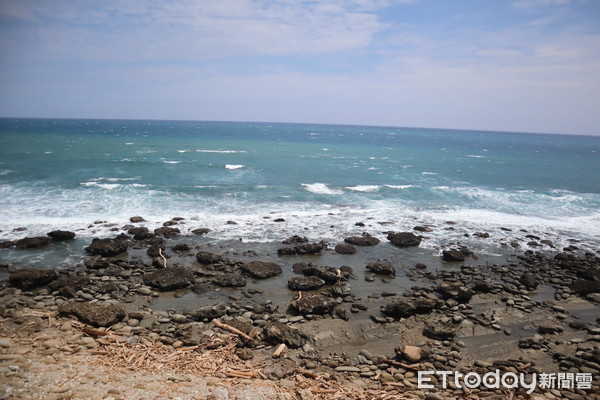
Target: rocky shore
<point>157,314</point>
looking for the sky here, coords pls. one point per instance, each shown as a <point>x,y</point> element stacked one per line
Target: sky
<point>506,65</point>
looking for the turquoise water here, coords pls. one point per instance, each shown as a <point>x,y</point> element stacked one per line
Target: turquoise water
<point>65,174</point>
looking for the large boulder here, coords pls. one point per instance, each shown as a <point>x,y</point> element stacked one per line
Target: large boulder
<point>171,278</point>
<point>108,247</point>
<point>140,233</point>
<point>210,311</point>
<point>399,309</point>
<point>31,278</point>
<point>61,235</point>
<point>31,242</point>
<point>230,280</point>
<point>404,239</point>
<point>295,240</point>
<point>453,255</point>
<point>329,274</point>
<point>439,332</point>
<point>364,240</point>
<point>313,304</point>
<point>455,291</point>
<point>276,333</point>
<point>382,268</point>
<point>261,269</point>
<point>529,280</point>
<point>344,248</point>
<point>93,314</point>
<point>305,283</point>
<point>584,287</point>
<point>204,257</point>
<point>167,231</point>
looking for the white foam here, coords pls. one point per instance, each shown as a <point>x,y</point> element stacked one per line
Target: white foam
<point>5,172</point>
<point>320,188</point>
<point>363,188</point>
<point>475,156</point>
<point>220,151</point>
<point>182,151</point>
<point>429,173</point>
<point>171,162</point>
<point>401,186</point>
<point>234,166</point>
<point>108,186</point>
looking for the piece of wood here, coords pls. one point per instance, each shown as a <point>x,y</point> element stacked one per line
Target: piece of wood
<point>231,329</point>
<point>239,374</point>
<point>163,257</point>
<point>93,332</point>
<point>280,349</point>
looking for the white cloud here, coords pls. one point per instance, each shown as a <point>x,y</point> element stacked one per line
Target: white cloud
<point>187,29</point>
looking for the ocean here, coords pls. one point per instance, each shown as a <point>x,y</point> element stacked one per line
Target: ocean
<point>320,179</point>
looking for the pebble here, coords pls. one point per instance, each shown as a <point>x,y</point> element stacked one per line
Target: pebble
<point>5,343</point>
<point>144,291</point>
<point>347,369</point>
<point>287,383</point>
<point>67,326</point>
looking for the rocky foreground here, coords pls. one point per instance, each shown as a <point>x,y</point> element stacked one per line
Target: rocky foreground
<point>94,331</point>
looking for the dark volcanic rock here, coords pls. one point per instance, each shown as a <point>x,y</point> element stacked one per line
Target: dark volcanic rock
<point>382,268</point>
<point>31,242</point>
<point>295,240</point>
<point>404,239</point>
<point>453,255</point>
<point>310,248</point>
<point>345,249</point>
<point>313,304</point>
<point>230,280</point>
<point>6,244</point>
<point>156,248</point>
<point>140,233</point>
<point>204,257</point>
<point>71,281</point>
<point>261,269</point>
<point>93,314</point>
<point>305,283</point>
<point>455,291</point>
<point>439,332</point>
<point>201,231</point>
<point>529,280</point>
<point>399,309</point>
<point>210,311</point>
<point>167,231</point>
<point>31,278</point>
<point>584,287</point>
<point>328,274</point>
<point>61,235</point>
<point>364,240</point>
<point>169,278</point>
<point>137,218</point>
<point>286,251</point>
<point>108,247</point>
<point>300,267</point>
<point>276,333</point>
<point>182,247</point>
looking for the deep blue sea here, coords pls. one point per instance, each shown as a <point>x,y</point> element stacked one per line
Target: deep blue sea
<point>321,179</point>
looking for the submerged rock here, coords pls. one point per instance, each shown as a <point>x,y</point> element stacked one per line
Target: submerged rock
<point>140,233</point>
<point>108,247</point>
<point>167,231</point>
<point>230,280</point>
<point>31,242</point>
<point>364,240</point>
<point>453,255</point>
<point>204,257</point>
<point>93,314</point>
<point>305,283</point>
<point>261,269</point>
<point>31,278</point>
<point>381,268</point>
<point>404,239</point>
<point>61,235</point>
<point>345,249</point>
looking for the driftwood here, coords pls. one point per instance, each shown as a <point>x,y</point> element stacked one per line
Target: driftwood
<point>163,257</point>
<point>93,332</point>
<point>280,349</point>
<point>232,329</point>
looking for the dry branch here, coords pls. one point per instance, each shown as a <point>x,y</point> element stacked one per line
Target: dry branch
<point>231,329</point>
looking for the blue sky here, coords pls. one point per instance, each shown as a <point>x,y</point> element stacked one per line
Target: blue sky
<point>520,65</point>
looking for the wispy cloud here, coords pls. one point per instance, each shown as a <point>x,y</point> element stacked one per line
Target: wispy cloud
<point>539,3</point>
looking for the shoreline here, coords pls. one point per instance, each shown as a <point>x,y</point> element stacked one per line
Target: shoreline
<point>344,328</point>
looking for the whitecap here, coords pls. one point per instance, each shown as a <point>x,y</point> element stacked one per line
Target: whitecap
<point>475,156</point>
<point>320,188</point>
<point>182,151</point>
<point>6,172</point>
<point>234,166</point>
<point>220,151</point>
<point>429,173</point>
<point>401,186</point>
<point>363,188</point>
<point>172,162</point>
<point>108,186</point>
